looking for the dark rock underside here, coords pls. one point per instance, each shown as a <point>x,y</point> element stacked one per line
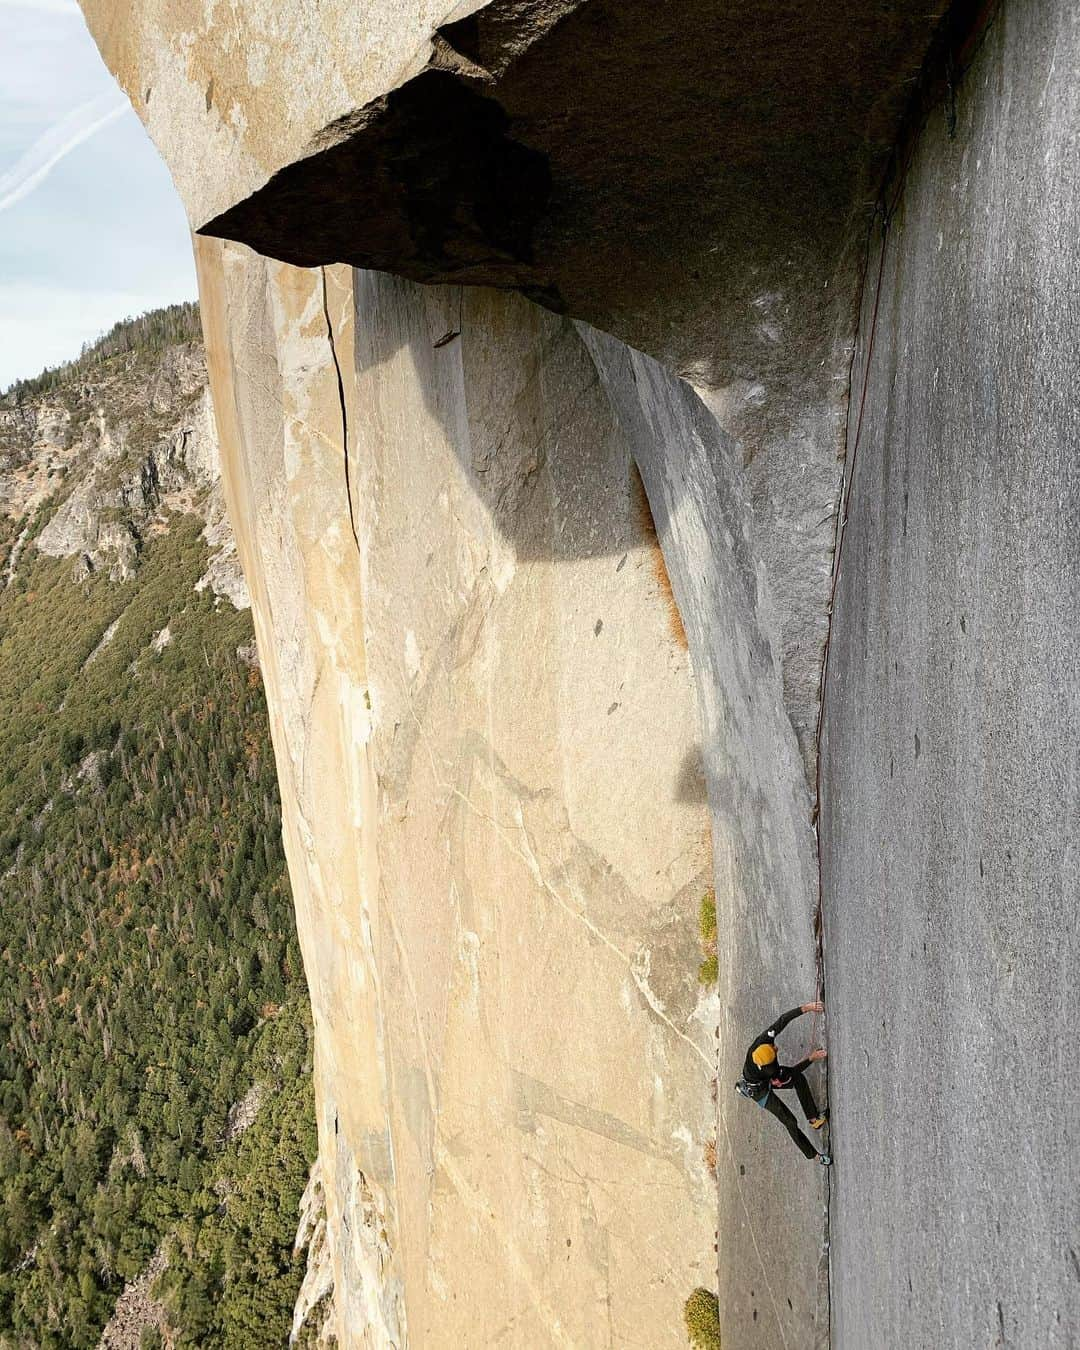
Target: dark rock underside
<point>653,169</point>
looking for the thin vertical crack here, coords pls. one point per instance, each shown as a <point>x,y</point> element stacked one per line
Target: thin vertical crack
<point>344,410</point>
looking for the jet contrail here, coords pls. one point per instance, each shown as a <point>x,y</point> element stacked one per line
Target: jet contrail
<point>67,7</point>
<point>35,164</point>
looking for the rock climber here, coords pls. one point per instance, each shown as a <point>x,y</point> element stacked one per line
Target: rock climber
<point>763,1075</point>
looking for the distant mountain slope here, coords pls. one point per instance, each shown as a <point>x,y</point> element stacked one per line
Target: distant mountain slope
<point>155,1077</point>
<point>95,455</point>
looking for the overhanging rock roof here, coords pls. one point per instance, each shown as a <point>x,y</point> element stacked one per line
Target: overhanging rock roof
<point>644,166</point>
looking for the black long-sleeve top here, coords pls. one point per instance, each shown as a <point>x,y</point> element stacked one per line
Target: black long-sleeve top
<point>775,1074</point>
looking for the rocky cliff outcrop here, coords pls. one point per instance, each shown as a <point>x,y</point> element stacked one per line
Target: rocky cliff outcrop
<point>107,452</point>
<point>498,759</point>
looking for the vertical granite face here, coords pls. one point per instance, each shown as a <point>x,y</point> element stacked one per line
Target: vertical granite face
<point>541,856</point>
<point>499,761</point>
<point>950,766</point>
<point>498,769</point>
<point>278,405</point>
<point>695,184</point>
<point>488,741</point>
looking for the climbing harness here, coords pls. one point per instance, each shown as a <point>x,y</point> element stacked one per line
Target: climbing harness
<point>751,1092</point>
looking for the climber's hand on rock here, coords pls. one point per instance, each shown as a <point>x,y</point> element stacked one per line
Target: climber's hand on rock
<point>813,1007</point>
<point>819,1054</point>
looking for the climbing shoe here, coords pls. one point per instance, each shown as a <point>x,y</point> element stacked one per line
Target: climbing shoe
<point>818,1121</point>
<point>825,1159</point>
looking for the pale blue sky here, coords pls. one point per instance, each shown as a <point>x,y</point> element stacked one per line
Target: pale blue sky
<point>91,229</point>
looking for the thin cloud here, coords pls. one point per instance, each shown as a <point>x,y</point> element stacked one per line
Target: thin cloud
<point>35,165</point>
<point>66,7</point>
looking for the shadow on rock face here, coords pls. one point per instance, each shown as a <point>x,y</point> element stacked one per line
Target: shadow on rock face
<point>530,415</point>
<point>692,786</point>
<point>665,966</point>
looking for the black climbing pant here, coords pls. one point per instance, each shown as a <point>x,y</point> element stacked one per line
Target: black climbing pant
<point>806,1100</point>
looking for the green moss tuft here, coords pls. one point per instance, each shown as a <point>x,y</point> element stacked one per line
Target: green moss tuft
<point>709,970</point>
<point>707,919</point>
<point>702,1316</point>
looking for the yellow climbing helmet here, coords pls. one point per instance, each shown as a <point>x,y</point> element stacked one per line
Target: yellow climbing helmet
<point>764,1055</point>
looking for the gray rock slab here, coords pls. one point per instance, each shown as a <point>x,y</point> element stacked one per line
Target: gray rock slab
<point>950,765</point>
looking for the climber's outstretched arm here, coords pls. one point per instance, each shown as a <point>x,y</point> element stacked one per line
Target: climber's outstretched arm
<point>785,1018</point>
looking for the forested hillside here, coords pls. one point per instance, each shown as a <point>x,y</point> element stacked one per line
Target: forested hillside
<point>146,335</point>
<point>155,1076</point>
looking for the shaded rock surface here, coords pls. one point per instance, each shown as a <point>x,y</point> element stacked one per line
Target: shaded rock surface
<point>730,599</point>
<point>951,782</point>
<point>656,170</point>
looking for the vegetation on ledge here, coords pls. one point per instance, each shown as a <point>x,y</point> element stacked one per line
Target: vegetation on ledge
<point>709,970</point>
<point>702,1315</point>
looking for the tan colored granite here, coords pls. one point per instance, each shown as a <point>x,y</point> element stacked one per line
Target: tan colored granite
<point>488,745</point>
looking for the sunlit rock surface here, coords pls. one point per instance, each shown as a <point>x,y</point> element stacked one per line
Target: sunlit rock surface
<point>488,738</point>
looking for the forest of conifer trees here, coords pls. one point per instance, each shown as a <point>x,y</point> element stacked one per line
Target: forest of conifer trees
<point>149,969</point>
